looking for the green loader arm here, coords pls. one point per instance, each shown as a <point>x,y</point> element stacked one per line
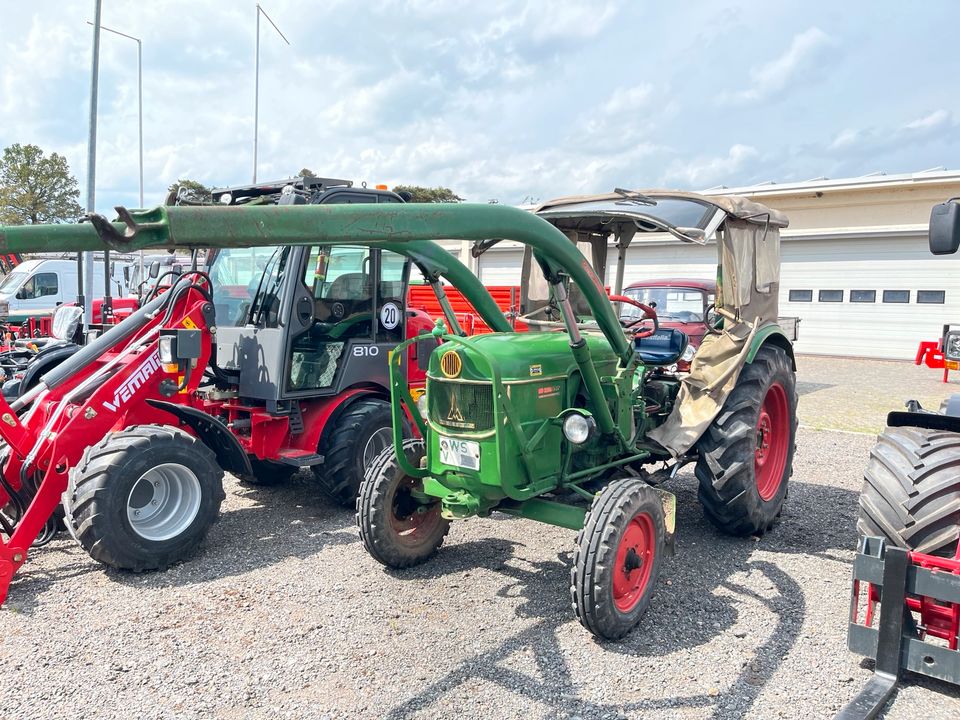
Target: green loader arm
<point>400,228</point>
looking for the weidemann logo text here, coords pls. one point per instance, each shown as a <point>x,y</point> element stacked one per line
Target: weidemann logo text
<point>134,382</point>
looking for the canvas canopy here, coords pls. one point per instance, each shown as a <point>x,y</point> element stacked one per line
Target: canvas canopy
<point>748,260</point>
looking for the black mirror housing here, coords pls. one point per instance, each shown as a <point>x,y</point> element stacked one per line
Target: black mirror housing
<point>945,227</point>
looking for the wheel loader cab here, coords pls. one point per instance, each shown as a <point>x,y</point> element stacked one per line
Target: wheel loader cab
<point>289,318</point>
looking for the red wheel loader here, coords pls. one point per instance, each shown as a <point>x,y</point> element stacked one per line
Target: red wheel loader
<point>274,360</point>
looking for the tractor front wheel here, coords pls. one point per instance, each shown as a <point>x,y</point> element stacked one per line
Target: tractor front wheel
<point>617,559</point>
<point>144,498</point>
<point>349,447</point>
<point>398,525</point>
<point>746,455</point>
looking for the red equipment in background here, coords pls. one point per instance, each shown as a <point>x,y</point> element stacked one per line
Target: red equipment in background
<point>507,297</point>
<point>942,354</point>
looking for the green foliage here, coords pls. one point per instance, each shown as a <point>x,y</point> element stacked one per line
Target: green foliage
<point>429,195</point>
<point>198,191</point>
<point>306,172</point>
<point>36,188</point>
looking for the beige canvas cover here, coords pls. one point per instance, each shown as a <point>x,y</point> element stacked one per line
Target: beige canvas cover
<point>747,298</point>
<point>735,206</point>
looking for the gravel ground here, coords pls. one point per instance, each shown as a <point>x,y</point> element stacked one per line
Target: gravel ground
<point>856,394</point>
<point>283,614</point>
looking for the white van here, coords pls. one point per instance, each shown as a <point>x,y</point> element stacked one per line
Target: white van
<point>38,287</point>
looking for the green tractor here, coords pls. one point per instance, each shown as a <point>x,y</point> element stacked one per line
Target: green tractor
<point>576,422</point>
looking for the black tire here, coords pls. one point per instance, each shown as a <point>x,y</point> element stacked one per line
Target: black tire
<point>597,580</point>
<point>728,451</point>
<point>268,472</point>
<point>386,512</point>
<point>911,490</point>
<point>102,484</point>
<point>343,446</point>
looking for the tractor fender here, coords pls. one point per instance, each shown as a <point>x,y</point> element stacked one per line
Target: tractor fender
<point>319,414</point>
<point>46,359</point>
<point>926,420</point>
<point>771,334</point>
<point>215,435</point>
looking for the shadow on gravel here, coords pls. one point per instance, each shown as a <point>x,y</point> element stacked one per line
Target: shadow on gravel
<point>290,520</point>
<point>805,388</point>
<point>701,594</point>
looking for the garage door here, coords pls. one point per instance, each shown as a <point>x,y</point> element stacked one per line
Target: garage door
<point>868,298</point>
<point>500,266</point>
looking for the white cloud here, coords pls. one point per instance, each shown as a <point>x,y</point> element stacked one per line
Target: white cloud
<point>794,65</point>
<point>703,172</point>
<point>930,127</point>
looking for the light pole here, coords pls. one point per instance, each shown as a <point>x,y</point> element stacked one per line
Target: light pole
<point>85,260</point>
<point>139,109</point>
<point>256,83</point>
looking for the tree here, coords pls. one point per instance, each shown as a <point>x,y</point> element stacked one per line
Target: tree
<point>429,195</point>
<point>36,188</point>
<point>198,192</point>
<point>306,172</point>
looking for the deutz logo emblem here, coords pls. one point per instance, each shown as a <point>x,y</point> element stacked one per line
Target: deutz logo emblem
<point>455,415</point>
<point>536,370</point>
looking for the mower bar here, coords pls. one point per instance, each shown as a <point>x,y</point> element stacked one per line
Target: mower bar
<point>904,583</point>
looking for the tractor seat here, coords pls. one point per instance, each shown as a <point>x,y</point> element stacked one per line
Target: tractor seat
<point>664,347</point>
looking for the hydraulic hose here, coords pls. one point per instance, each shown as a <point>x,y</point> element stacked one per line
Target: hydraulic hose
<point>87,354</point>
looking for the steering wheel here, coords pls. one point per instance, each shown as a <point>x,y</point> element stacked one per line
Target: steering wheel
<point>715,327</point>
<point>648,314</point>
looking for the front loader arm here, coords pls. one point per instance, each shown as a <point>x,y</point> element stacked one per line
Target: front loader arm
<point>108,393</point>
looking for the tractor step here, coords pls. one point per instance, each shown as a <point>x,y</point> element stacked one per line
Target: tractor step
<point>299,458</point>
<point>917,625</point>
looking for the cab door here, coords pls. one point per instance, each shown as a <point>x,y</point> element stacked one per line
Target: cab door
<point>358,316</point>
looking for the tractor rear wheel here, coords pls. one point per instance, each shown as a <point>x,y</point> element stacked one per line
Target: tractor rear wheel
<point>268,472</point>
<point>397,528</point>
<point>617,559</point>
<point>746,455</point>
<point>911,490</point>
<point>360,434</point>
<point>144,498</point>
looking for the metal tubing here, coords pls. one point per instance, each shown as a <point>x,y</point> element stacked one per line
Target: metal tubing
<point>388,226</point>
<point>89,353</point>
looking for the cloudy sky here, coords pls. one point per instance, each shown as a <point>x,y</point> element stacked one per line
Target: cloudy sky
<point>513,100</point>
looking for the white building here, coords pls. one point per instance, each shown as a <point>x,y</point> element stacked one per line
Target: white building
<point>855,264</point>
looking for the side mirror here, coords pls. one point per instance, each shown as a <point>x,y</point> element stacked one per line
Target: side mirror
<point>155,269</point>
<point>945,227</point>
<point>22,294</point>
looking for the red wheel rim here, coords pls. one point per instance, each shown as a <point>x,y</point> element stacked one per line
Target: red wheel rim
<point>412,521</point>
<point>635,554</point>
<point>773,439</point>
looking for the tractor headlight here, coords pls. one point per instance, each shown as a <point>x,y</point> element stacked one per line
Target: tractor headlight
<point>422,405</point>
<point>578,428</point>
<point>167,351</point>
<point>951,345</point>
<point>226,199</point>
<point>688,353</point>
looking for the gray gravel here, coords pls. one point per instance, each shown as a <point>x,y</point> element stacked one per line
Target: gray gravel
<point>282,614</point>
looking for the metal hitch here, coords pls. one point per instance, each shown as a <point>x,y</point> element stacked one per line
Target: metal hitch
<point>917,625</point>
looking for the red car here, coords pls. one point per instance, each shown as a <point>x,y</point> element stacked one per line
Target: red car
<point>681,303</point>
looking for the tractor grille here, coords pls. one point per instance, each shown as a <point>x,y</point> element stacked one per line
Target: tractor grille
<point>461,406</point>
